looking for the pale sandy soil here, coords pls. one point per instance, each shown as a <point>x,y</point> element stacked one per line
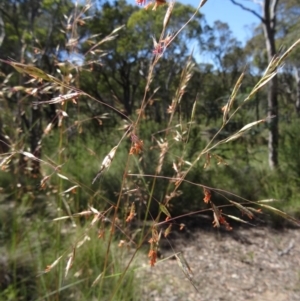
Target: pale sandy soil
<point>255,264</point>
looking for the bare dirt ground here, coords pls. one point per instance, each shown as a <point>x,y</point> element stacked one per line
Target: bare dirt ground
<point>255,264</point>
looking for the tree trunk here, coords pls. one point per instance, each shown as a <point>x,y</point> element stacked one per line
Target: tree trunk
<point>268,20</point>
<point>297,103</point>
<point>273,123</point>
<point>269,25</point>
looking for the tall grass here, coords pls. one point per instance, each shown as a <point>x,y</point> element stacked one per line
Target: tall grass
<point>89,253</point>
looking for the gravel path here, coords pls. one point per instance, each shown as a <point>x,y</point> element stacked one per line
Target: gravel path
<point>255,264</point>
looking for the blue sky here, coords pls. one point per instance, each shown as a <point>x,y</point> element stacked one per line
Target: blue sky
<point>240,21</point>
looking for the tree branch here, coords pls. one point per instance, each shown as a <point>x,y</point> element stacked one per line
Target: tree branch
<point>266,10</point>
<point>273,12</point>
<point>248,9</point>
<point>12,20</point>
<point>274,7</point>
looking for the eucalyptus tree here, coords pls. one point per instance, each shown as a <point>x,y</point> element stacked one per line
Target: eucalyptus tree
<point>268,19</point>
<point>121,74</point>
<point>30,34</point>
<point>288,33</point>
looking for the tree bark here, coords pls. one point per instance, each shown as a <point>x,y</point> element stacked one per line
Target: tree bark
<point>268,20</point>
<point>297,103</point>
<point>269,25</point>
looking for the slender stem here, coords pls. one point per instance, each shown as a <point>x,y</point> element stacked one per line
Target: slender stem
<point>113,224</point>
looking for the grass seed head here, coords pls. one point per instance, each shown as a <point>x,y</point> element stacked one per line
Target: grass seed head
<point>137,145</point>
<point>131,214</point>
<point>153,257</point>
<point>207,195</point>
<point>106,163</point>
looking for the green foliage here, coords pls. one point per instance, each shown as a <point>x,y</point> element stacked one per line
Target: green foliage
<point>89,96</point>
<point>288,192</point>
<point>28,233</point>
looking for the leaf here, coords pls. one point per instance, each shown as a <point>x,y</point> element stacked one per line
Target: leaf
<point>97,279</point>
<point>62,176</point>
<point>5,160</point>
<point>238,219</point>
<point>233,137</point>
<point>268,201</point>
<point>183,264</point>
<point>28,69</point>
<point>250,125</point>
<point>235,90</point>
<point>243,209</point>
<point>29,155</point>
<point>168,13</point>
<point>193,111</point>
<point>261,84</point>
<point>50,267</point>
<point>69,189</point>
<point>289,50</point>
<point>117,29</point>
<point>281,213</point>
<point>164,209</point>
<point>36,73</point>
<point>83,213</point>
<point>106,162</point>
<point>265,80</point>
<point>70,262</point>
<point>244,129</point>
<point>80,243</point>
<point>58,99</point>
<point>94,210</point>
<point>61,218</point>
<point>168,231</point>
